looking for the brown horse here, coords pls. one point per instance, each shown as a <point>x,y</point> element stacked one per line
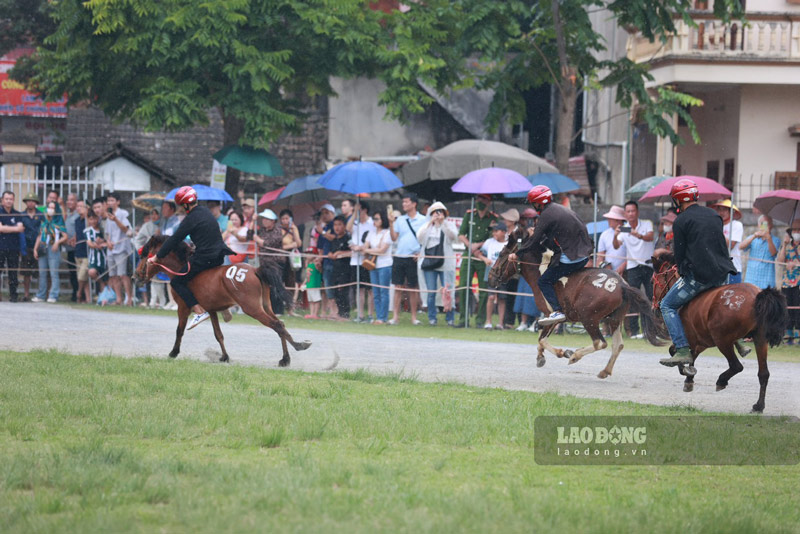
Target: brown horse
<point>220,288</point>
<point>588,296</point>
<point>722,315</point>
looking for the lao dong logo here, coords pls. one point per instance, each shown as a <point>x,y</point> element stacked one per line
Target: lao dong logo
<point>600,435</point>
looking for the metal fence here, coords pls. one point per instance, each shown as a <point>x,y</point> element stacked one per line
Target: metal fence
<point>23,179</point>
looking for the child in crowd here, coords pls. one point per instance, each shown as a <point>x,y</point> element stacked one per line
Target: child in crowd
<point>313,285</point>
<point>97,249</point>
<point>489,253</point>
<point>340,254</point>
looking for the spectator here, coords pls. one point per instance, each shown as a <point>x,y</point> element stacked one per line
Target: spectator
<point>379,244</point>
<point>606,253</point>
<point>640,245</point>
<point>665,234</point>
<point>47,251</point>
<point>510,218</point>
<point>435,231</point>
<point>117,232</point>
<point>488,254</point>
<point>32,220</point>
<point>348,211</point>
<point>483,220</point>
<point>734,232</point>
<point>97,246</point>
<point>235,237</point>
<point>358,230</point>
<point>526,305</point>
<point>325,233</point>
<point>215,208</point>
<point>291,243</point>
<point>82,254</point>
<point>268,238</point>
<point>248,211</point>
<point>313,285</point>
<point>340,257</point>
<point>763,247</point>
<point>790,284</point>
<point>70,216</point>
<point>146,231</point>
<point>169,221</point>
<point>404,268</point>
<point>12,231</point>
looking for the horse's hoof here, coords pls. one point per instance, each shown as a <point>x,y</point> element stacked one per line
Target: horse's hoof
<point>689,370</point>
<point>688,387</point>
<point>720,387</point>
<point>284,363</point>
<point>567,354</point>
<point>173,354</point>
<point>573,360</point>
<point>758,408</point>
<point>672,350</point>
<point>540,362</point>
<point>303,345</point>
<point>603,374</point>
<point>224,358</point>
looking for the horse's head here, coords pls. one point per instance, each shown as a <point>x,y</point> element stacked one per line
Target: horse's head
<point>665,274</point>
<point>145,271</point>
<point>503,269</point>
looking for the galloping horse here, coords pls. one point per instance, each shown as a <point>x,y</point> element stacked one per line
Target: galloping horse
<point>220,288</point>
<point>722,315</point>
<point>588,296</point>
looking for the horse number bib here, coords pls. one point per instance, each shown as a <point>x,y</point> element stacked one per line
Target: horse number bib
<point>236,273</point>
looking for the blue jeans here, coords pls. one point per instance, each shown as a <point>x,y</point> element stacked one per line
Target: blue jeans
<point>547,282</point>
<point>684,290</point>
<point>431,278</point>
<point>327,279</point>
<point>49,261</point>
<point>380,295</point>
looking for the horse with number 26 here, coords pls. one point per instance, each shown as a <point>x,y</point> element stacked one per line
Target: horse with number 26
<point>218,289</point>
<point>590,296</point>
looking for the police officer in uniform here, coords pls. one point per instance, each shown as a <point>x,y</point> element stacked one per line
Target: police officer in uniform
<point>483,219</point>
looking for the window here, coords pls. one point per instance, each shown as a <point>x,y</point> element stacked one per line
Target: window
<point>712,170</point>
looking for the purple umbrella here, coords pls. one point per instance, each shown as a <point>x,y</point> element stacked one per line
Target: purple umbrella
<point>492,180</point>
<point>782,205</point>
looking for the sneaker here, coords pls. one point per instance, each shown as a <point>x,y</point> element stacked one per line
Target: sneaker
<point>451,323</point>
<point>358,320</point>
<point>197,319</point>
<point>432,322</point>
<point>36,299</point>
<point>392,322</point>
<point>488,326</point>
<point>521,328</point>
<point>683,356</point>
<point>416,322</point>
<point>51,300</point>
<point>534,327</point>
<point>638,336</point>
<point>554,318</point>
<point>499,327</point>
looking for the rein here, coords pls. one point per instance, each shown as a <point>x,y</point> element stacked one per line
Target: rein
<point>663,279</point>
<point>170,271</point>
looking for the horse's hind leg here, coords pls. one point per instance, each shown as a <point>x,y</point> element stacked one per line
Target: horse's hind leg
<point>183,317</point>
<point>268,319</point>
<point>219,336</point>
<point>616,348</point>
<point>598,343</point>
<point>763,372</point>
<point>544,333</point>
<point>734,367</point>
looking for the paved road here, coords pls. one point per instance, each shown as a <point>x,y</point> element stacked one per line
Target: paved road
<point>637,376</point>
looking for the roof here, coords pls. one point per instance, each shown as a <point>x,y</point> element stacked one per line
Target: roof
<point>119,151</point>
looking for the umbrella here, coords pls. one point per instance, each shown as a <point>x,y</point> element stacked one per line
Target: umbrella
<point>643,186</point>
<point>558,183</point>
<point>148,201</point>
<point>271,196</point>
<point>359,177</point>
<point>303,190</point>
<point>492,180</point>
<point>249,159</point>
<point>204,192</point>
<point>597,227</point>
<point>709,190</point>
<point>782,205</point>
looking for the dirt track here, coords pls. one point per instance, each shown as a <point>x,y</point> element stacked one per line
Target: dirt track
<point>637,376</point>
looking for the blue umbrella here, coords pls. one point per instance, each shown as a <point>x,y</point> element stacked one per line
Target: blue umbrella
<point>360,177</point>
<point>303,190</point>
<point>204,192</point>
<point>597,227</point>
<point>558,183</point>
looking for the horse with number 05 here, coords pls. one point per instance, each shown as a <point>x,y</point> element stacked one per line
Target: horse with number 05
<point>218,289</point>
<point>589,296</point>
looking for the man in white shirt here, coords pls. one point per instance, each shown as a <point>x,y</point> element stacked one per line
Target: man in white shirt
<point>734,233</point>
<point>637,236</point>
<point>118,233</point>
<point>358,230</point>
<point>606,253</point>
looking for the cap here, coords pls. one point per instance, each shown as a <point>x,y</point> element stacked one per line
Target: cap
<point>615,212</point>
<point>438,206</point>
<point>328,207</point>
<point>500,226</point>
<point>249,202</point>
<point>31,196</point>
<point>510,215</point>
<point>268,214</point>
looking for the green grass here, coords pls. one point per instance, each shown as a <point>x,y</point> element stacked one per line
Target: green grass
<point>103,444</point>
<point>783,353</point>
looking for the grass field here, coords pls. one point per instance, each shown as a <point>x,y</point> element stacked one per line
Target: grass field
<point>138,445</point>
<point>783,353</point>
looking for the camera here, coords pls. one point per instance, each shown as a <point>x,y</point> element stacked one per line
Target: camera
<point>625,229</point>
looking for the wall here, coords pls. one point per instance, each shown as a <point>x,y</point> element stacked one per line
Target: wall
<point>781,6</point>
<point>122,175</point>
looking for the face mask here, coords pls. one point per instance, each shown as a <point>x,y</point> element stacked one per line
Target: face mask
<point>796,237</point>
<point>480,205</point>
<point>667,228</point>
<point>51,211</point>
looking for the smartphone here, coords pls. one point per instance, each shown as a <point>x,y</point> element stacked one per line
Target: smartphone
<point>389,209</point>
<point>625,229</point>
<point>109,210</point>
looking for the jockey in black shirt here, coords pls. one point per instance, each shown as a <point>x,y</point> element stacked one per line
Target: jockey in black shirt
<point>210,250</point>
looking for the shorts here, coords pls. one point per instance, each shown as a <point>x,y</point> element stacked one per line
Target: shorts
<point>502,287</point>
<point>28,265</point>
<point>117,264</point>
<point>404,273</point>
<point>82,265</point>
<point>364,274</point>
<point>314,295</point>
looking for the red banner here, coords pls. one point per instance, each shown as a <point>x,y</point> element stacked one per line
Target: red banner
<point>15,101</point>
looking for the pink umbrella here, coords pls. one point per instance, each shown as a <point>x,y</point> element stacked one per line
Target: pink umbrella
<point>271,196</point>
<point>782,205</point>
<point>709,190</point>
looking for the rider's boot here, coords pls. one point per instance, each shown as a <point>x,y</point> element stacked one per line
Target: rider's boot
<point>683,356</point>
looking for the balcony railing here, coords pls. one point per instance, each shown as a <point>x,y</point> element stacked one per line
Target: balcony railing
<point>764,36</point>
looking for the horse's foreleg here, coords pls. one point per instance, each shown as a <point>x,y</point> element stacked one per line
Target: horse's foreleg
<point>544,333</point>
<point>268,319</point>
<point>763,372</point>
<point>219,336</point>
<point>183,317</point>
<point>616,348</point>
<point>734,367</point>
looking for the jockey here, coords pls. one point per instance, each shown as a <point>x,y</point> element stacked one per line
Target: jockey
<point>703,261</point>
<point>210,250</point>
<point>561,231</point>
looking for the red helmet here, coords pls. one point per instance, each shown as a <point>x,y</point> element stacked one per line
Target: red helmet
<point>684,191</point>
<point>540,194</point>
<point>186,195</point>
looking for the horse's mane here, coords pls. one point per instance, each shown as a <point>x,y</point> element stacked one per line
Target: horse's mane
<point>664,255</point>
<point>183,251</point>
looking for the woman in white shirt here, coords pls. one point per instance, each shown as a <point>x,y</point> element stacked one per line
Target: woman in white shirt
<point>235,236</point>
<point>435,230</point>
<point>379,244</point>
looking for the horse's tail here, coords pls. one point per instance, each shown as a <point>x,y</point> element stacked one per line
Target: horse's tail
<point>654,329</point>
<point>771,315</point>
<point>271,275</point>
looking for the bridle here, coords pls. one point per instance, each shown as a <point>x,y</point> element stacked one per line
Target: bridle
<point>167,269</point>
<point>664,279</point>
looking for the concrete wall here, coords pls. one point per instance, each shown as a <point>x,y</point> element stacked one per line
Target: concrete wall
<point>781,6</point>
